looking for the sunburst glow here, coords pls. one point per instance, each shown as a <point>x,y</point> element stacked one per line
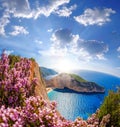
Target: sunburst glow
<point>64,65</point>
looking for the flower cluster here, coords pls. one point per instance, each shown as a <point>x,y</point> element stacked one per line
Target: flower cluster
<point>39,113</point>
<point>93,119</point>
<point>18,108</point>
<point>15,85</point>
<point>105,120</point>
<point>10,117</point>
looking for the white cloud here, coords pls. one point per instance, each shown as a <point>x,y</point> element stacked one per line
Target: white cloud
<point>38,41</point>
<point>54,52</point>
<point>88,50</point>
<point>118,68</point>
<point>65,43</point>
<point>95,16</point>
<point>95,48</point>
<point>8,52</point>
<point>14,8</point>
<point>49,8</point>
<point>118,49</point>
<point>65,12</point>
<point>18,30</point>
<point>23,9</point>
<point>4,20</point>
<point>50,30</point>
<point>61,38</point>
<point>19,8</point>
<point>101,56</point>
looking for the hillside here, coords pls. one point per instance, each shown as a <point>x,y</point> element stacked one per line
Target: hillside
<point>77,78</point>
<point>40,87</point>
<point>74,82</point>
<point>23,97</point>
<point>47,72</point>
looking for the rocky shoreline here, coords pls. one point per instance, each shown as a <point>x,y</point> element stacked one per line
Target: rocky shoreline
<point>48,89</point>
<point>78,84</point>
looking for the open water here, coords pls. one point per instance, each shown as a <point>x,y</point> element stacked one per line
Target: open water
<point>72,105</point>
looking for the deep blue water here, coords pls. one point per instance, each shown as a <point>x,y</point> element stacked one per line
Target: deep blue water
<point>71,105</point>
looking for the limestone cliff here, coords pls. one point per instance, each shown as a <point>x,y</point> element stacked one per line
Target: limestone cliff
<point>74,82</point>
<point>40,88</point>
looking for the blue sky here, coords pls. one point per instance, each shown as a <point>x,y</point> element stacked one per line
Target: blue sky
<point>63,34</point>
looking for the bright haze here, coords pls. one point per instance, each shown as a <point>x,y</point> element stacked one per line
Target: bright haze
<point>63,34</point>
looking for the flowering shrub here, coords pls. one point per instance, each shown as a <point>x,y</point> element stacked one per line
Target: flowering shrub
<point>38,113</point>
<point>19,108</point>
<point>14,82</point>
<point>10,117</point>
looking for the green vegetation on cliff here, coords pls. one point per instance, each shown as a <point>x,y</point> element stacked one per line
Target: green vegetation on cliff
<point>74,82</point>
<point>111,105</point>
<point>77,78</point>
<point>13,59</point>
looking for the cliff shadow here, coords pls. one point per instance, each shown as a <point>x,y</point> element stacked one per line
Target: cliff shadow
<point>67,90</point>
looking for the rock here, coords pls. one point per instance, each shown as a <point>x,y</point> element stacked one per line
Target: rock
<point>40,88</point>
<point>74,82</point>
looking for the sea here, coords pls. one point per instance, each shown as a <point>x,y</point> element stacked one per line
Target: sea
<point>72,105</point>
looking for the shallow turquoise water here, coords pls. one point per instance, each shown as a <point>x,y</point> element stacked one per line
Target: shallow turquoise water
<point>71,105</point>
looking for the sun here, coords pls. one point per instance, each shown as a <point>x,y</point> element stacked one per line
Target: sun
<point>64,65</point>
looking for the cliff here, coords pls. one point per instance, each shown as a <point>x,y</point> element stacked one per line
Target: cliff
<point>75,83</point>
<point>40,88</point>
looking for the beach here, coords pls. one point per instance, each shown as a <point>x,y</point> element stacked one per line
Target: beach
<point>48,89</point>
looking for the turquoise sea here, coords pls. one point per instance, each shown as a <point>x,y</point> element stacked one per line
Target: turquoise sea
<point>72,105</point>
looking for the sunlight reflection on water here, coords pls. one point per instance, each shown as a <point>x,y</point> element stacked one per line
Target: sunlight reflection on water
<point>72,105</point>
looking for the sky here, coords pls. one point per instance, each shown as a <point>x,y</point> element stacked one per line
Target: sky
<point>63,34</point>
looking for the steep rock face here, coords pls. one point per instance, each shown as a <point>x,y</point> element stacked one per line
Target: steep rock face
<point>67,80</point>
<point>40,88</point>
